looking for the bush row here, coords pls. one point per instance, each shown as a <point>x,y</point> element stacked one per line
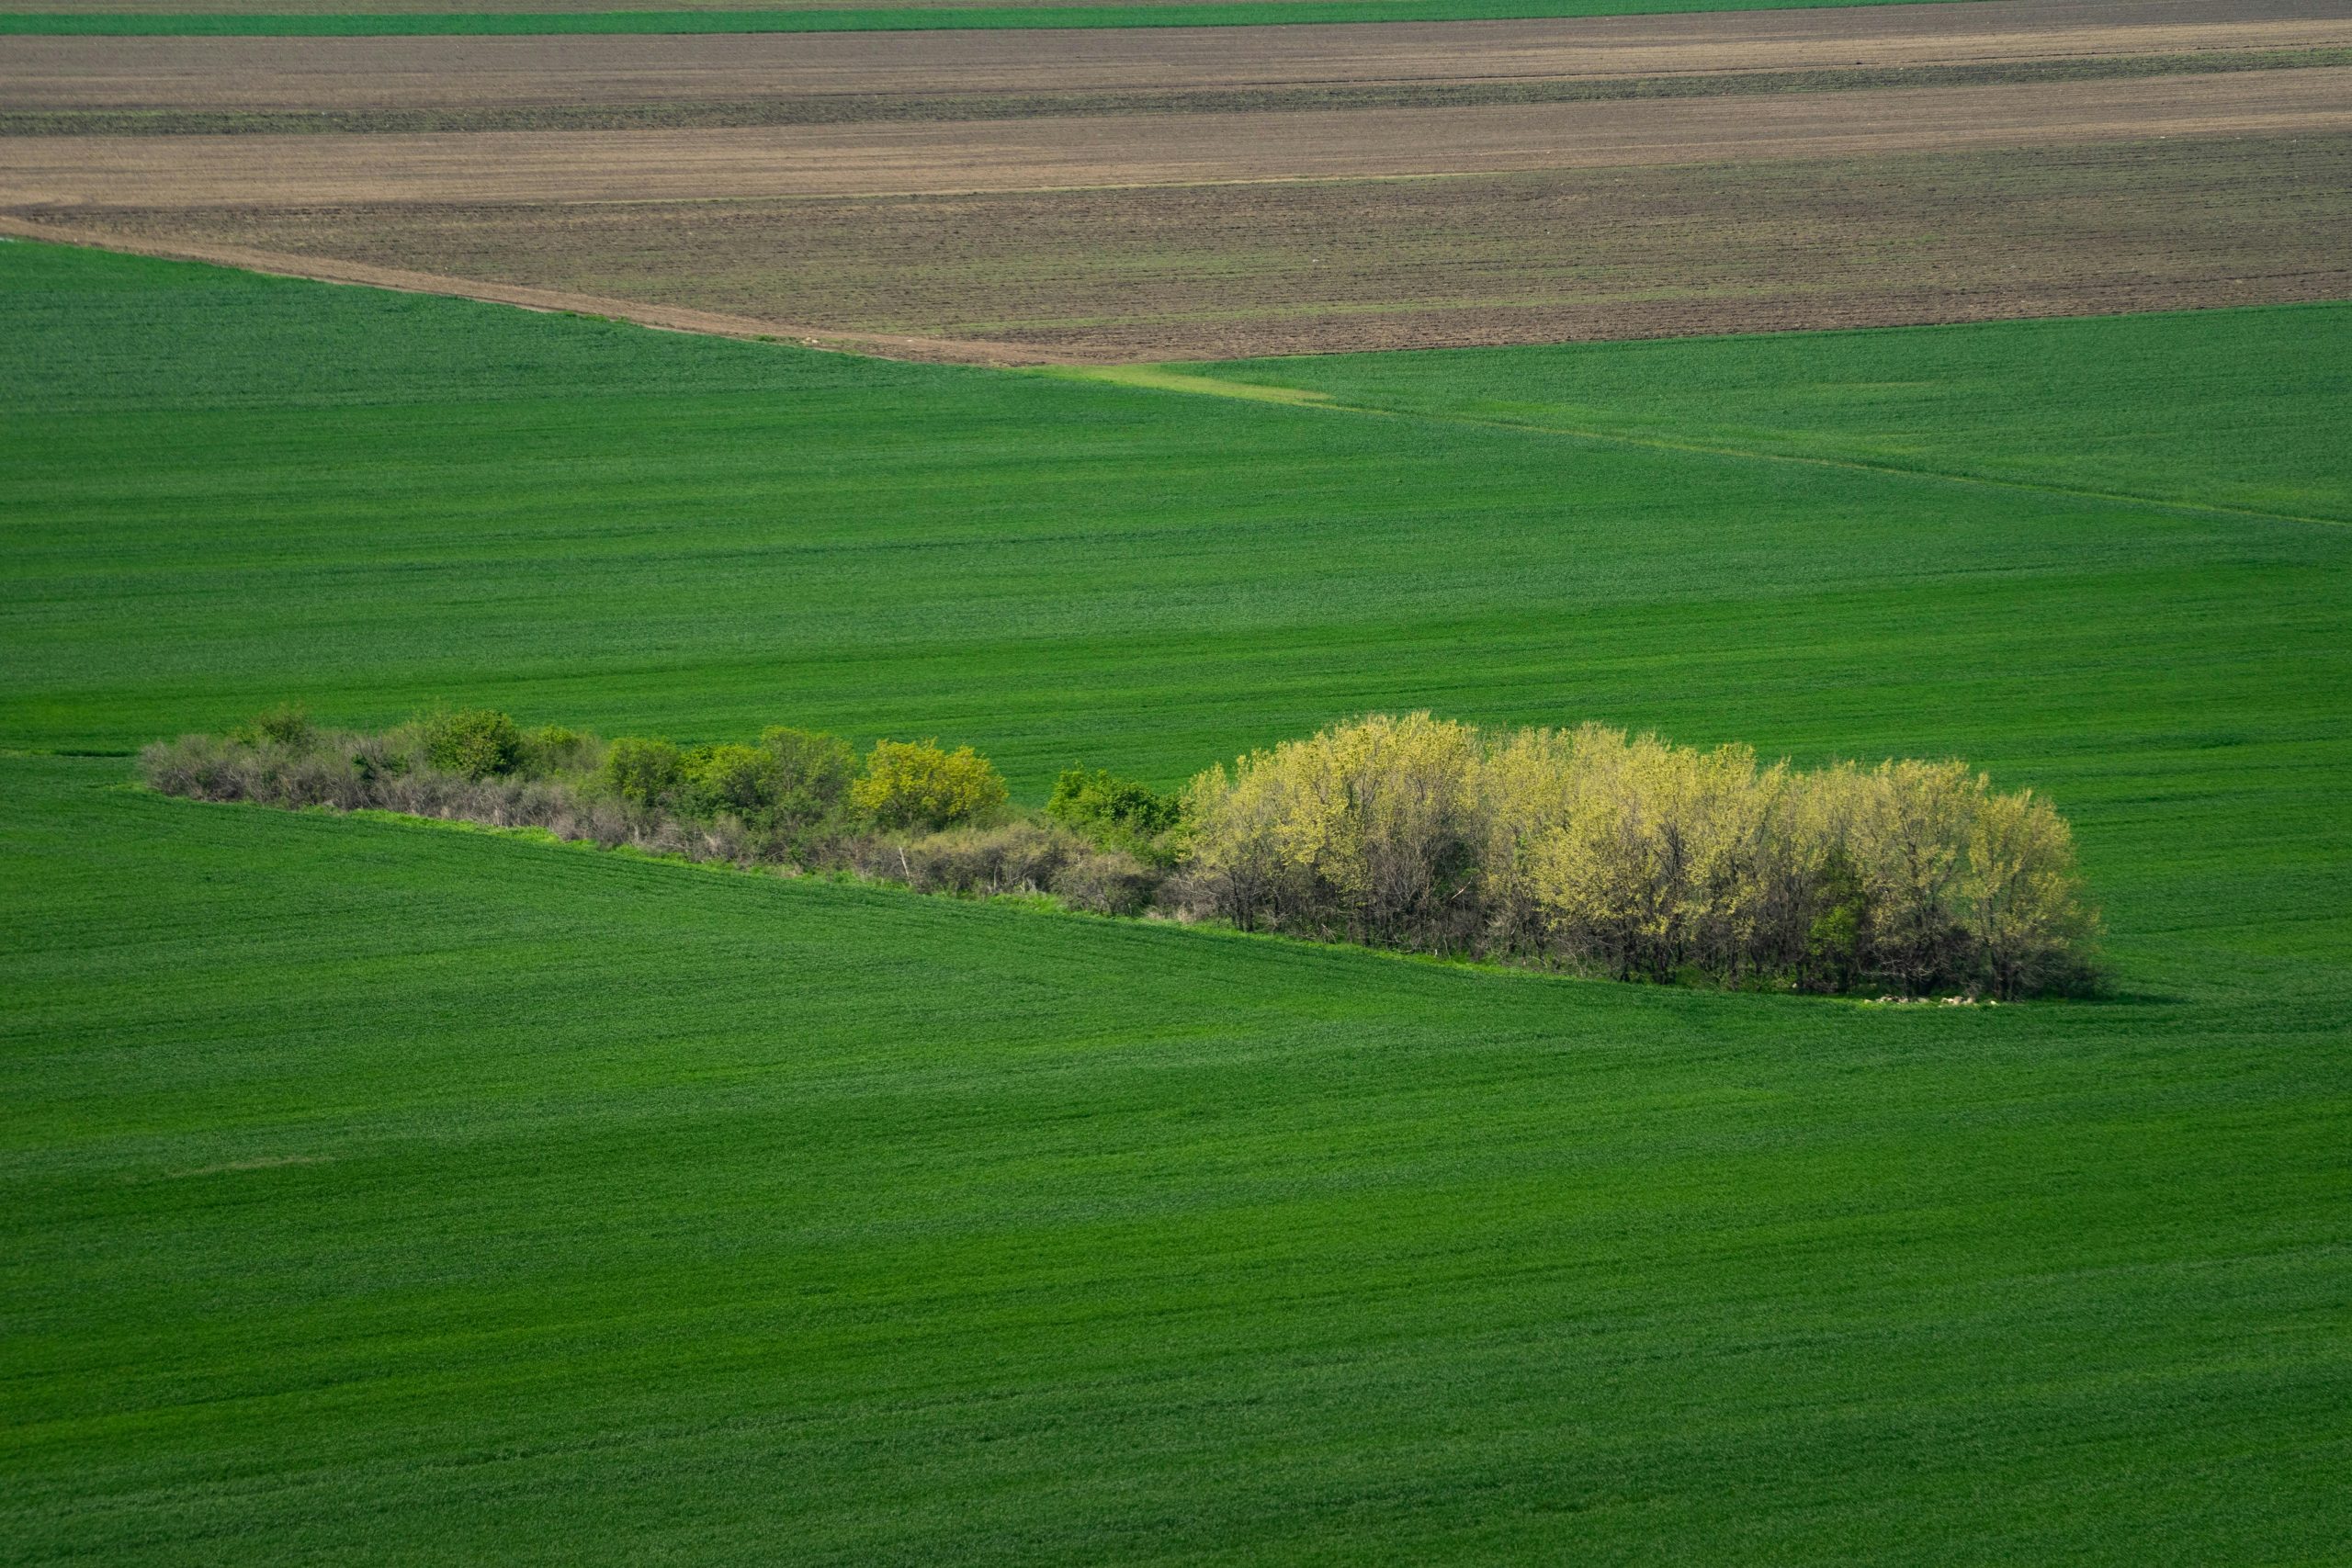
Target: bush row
<point>1626,856</point>
<point>913,811</point>
<point>1586,850</point>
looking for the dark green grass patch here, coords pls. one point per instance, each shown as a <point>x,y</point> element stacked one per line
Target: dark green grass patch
<point>1243,13</point>
<point>375,1192</point>
<point>378,1193</point>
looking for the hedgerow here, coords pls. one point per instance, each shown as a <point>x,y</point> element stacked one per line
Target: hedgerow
<point>914,812</point>
<point>1629,857</point>
<point>1585,850</point>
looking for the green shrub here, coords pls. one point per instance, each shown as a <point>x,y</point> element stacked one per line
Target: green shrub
<point>793,781</point>
<point>1115,812</point>
<point>736,781</point>
<point>813,774</point>
<point>552,749</point>
<point>642,772</point>
<point>918,784</point>
<point>474,743</point>
<point>1839,934</point>
<point>288,725</point>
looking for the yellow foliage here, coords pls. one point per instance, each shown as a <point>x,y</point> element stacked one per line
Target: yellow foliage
<point>2023,894</point>
<point>1631,855</point>
<point>1357,828</point>
<point>918,784</point>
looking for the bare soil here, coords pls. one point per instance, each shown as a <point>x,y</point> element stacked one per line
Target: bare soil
<point>868,108</point>
<point>1219,271</point>
<point>413,74</point>
<point>1115,195</point>
<point>1143,150</point>
<point>432,7</point>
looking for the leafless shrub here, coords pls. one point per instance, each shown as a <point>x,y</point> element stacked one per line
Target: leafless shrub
<point>669,837</point>
<point>538,803</point>
<point>727,840</point>
<point>192,766</point>
<point>1106,881</point>
<point>606,822</point>
<point>1022,857</point>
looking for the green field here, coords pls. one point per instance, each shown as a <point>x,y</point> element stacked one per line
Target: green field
<point>1235,14</point>
<point>383,1192</point>
<point>2215,407</point>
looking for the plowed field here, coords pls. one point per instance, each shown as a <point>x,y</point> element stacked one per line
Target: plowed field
<point>344,75</point>
<point>1551,256</point>
<point>1046,154</point>
<point>415,7</point>
<point>1196,193</point>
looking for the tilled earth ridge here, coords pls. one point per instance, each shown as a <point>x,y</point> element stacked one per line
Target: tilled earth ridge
<point>871,108</point>
<point>955,158</point>
<point>1232,271</point>
<point>1204,193</point>
<point>414,74</point>
<point>430,7</point>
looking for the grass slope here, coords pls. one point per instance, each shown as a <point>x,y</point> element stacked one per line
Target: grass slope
<point>376,1192</point>
<point>221,490</point>
<point>1237,14</point>
<point>2216,407</point>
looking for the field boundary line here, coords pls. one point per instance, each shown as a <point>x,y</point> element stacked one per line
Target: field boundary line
<point>1164,379</point>
<point>661,317</point>
<point>1142,376</point>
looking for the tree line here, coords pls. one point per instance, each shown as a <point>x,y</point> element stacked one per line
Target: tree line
<point>1585,850</point>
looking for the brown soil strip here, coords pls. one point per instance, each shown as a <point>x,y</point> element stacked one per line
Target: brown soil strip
<point>869,108</point>
<point>1226,271</point>
<point>437,8</point>
<point>1142,150</point>
<point>348,76</point>
<point>888,345</point>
